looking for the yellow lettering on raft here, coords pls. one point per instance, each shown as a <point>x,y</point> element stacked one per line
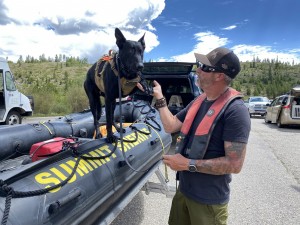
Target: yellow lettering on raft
<point>56,176</point>
<point>58,173</point>
<point>131,137</point>
<point>82,167</point>
<point>69,171</point>
<point>94,154</point>
<point>47,178</point>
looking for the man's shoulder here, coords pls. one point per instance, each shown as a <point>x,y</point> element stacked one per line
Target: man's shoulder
<point>237,106</point>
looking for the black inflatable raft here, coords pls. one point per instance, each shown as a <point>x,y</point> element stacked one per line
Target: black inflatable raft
<point>66,177</point>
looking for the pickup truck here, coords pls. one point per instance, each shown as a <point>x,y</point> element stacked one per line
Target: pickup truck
<point>257,105</point>
<point>13,104</point>
<point>178,81</point>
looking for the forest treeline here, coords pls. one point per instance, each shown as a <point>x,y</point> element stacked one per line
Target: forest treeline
<point>57,84</point>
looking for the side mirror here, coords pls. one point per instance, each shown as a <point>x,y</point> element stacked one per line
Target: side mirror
<point>268,104</point>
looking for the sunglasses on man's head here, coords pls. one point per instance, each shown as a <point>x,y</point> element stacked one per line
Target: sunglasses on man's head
<point>206,68</point>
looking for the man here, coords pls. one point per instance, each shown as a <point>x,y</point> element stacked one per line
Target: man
<point>214,131</point>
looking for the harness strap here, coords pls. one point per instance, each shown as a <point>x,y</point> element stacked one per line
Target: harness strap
<point>127,85</point>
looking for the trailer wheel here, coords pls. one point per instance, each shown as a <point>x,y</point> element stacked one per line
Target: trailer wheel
<point>13,118</point>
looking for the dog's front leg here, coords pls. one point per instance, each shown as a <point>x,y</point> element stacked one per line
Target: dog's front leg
<point>109,109</point>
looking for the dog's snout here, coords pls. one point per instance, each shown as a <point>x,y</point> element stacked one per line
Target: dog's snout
<point>140,66</point>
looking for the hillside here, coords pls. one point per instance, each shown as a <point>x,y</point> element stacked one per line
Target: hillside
<point>57,87</point>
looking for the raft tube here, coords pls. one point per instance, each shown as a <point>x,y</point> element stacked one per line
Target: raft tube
<point>17,140</point>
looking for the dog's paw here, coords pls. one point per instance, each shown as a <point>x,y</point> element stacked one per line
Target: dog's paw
<point>111,138</point>
<point>148,90</point>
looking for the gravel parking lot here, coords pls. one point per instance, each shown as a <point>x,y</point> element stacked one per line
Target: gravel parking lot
<point>267,191</point>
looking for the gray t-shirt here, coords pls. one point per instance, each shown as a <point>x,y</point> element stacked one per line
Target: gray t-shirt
<point>234,126</point>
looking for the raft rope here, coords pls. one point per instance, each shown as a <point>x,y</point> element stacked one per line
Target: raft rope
<point>146,122</point>
<point>163,152</point>
<point>43,123</point>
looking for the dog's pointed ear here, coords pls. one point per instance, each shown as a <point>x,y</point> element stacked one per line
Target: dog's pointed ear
<point>120,39</point>
<point>143,41</point>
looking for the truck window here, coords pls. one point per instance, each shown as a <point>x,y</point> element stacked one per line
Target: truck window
<point>10,85</point>
<point>1,80</point>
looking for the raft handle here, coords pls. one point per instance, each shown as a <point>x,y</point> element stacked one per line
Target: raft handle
<point>55,206</point>
<point>130,158</point>
<point>153,142</point>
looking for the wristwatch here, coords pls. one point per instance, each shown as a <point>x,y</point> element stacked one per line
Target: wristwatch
<point>192,165</point>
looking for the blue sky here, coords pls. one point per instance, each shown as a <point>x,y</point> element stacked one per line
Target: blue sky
<point>175,29</point>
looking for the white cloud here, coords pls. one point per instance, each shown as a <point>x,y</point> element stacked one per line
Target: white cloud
<point>74,27</point>
<point>207,41</point>
<point>248,52</point>
<point>229,27</point>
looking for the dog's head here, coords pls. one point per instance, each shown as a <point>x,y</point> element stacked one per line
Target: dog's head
<point>131,55</point>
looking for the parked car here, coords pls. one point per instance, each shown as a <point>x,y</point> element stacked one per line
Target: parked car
<point>177,79</point>
<point>285,109</point>
<point>257,105</point>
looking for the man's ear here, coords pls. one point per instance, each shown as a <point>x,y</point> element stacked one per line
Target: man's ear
<point>220,76</point>
<point>120,39</point>
<point>143,41</point>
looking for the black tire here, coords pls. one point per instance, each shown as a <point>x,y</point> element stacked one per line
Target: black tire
<point>279,125</point>
<point>13,118</point>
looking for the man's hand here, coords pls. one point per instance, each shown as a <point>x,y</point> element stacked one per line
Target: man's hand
<point>176,162</point>
<point>157,92</point>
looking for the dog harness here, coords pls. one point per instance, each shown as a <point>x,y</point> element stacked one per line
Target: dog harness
<point>127,86</point>
<point>205,128</point>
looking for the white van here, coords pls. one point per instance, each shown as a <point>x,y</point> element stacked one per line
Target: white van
<point>13,104</point>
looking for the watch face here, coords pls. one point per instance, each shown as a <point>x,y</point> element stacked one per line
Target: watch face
<point>192,168</point>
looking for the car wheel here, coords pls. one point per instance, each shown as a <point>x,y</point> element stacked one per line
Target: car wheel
<point>279,125</point>
<point>13,118</point>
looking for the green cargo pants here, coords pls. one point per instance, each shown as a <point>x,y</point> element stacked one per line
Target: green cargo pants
<point>185,211</point>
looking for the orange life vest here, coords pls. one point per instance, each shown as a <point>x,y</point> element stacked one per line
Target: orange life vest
<point>204,130</point>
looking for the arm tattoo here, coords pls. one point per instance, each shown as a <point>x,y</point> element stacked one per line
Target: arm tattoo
<point>234,149</point>
<point>232,162</point>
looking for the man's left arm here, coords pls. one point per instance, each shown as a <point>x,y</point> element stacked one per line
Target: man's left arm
<point>232,162</point>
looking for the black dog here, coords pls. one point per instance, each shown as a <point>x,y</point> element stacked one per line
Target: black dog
<point>103,77</point>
